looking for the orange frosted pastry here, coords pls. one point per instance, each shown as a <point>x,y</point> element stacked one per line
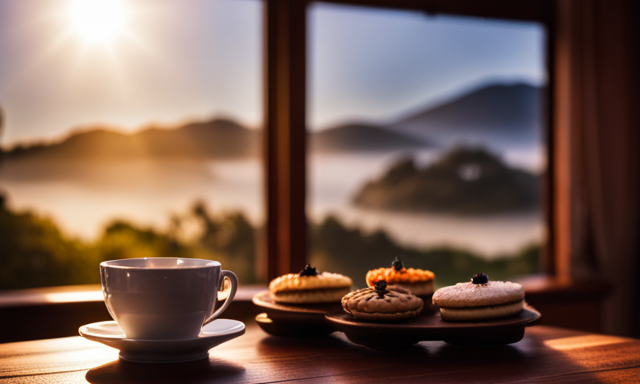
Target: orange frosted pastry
<point>417,281</point>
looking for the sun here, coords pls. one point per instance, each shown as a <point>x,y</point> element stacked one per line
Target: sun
<point>97,20</point>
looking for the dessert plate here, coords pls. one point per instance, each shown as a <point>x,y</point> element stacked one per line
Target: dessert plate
<point>431,327</point>
<point>294,320</point>
<point>163,351</point>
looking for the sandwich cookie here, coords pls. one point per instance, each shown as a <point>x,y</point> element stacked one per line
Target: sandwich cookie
<point>479,299</point>
<point>309,287</point>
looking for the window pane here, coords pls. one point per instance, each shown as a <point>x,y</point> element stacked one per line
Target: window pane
<point>426,143</point>
<point>132,128</point>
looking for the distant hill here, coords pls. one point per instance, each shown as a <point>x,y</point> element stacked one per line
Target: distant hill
<point>495,115</point>
<point>217,139</point>
<point>363,138</point>
<point>469,181</point>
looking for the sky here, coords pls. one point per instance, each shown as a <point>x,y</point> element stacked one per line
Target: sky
<point>378,64</point>
<point>171,61</point>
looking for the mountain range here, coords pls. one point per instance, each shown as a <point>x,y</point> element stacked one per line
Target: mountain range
<point>216,139</point>
<point>494,115</point>
<point>363,137</point>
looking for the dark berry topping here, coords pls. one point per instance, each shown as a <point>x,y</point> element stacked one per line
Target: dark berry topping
<point>480,278</point>
<point>381,288</point>
<point>309,270</point>
<point>397,264</point>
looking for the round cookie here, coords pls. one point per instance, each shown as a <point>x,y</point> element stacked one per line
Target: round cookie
<point>417,281</point>
<point>479,299</point>
<point>382,303</point>
<point>309,287</point>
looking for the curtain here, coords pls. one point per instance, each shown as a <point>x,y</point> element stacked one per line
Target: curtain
<point>596,93</point>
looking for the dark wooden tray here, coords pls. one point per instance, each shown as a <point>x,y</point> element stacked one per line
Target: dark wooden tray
<point>431,327</point>
<point>294,320</point>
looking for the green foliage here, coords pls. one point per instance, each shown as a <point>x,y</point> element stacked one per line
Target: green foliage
<point>34,252</point>
<point>337,248</point>
<point>122,240</point>
<point>231,237</point>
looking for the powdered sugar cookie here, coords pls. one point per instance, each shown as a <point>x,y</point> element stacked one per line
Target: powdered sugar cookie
<point>479,299</point>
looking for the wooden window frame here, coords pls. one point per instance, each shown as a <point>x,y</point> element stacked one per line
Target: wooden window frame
<point>284,247</point>
<point>285,69</point>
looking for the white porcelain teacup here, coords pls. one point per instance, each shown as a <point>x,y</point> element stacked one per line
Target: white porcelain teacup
<point>160,298</point>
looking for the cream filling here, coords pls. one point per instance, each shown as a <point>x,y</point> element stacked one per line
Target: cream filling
<point>314,290</point>
<point>324,293</point>
<point>480,313</point>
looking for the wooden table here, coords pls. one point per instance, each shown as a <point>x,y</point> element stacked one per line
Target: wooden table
<point>545,355</point>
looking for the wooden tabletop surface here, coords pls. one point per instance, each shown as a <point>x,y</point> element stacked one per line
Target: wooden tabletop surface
<point>544,355</point>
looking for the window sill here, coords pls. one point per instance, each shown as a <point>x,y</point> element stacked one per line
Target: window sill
<point>563,304</point>
<point>82,294</point>
<point>567,304</point>
<point>67,308</point>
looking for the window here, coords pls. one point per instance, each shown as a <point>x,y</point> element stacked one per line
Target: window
<point>131,129</point>
<point>425,142</point>
<point>62,80</point>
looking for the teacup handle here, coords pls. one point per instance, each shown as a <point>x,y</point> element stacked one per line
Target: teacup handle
<point>234,286</point>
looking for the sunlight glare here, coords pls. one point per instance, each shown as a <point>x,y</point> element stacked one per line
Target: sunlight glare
<point>582,342</point>
<point>68,297</point>
<point>97,20</point>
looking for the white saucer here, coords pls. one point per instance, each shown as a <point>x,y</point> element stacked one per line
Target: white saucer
<point>163,351</point>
